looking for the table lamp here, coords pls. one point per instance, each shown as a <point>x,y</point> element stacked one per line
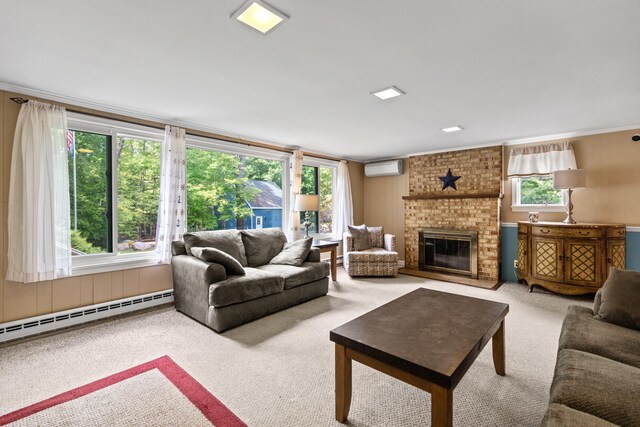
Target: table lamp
<point>306,203</point>
<point>568,180</point>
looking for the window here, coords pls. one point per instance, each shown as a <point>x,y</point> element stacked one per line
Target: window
<point>114,185</point>
<point>537,193</point>
<point>227,190</point>
<point>319,179</point>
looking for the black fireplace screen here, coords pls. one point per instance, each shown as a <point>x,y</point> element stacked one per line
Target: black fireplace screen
<point>448,253</point>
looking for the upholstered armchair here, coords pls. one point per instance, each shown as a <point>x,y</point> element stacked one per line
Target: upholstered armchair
<point>381,259</point>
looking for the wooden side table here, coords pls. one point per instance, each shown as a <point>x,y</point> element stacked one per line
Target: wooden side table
<point>328,246</point>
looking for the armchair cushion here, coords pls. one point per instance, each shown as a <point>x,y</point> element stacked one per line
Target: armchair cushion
<point>361,237</point>
<point>230,264</point>
<point>377,236</point>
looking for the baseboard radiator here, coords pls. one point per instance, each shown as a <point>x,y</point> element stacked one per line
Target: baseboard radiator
<point>63,319</point>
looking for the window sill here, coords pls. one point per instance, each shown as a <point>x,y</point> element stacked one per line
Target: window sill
<point>106,264</point>
<point>538,208</point>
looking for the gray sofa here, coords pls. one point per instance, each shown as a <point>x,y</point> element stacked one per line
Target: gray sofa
<point>597,374</point>
<point>205,291</point>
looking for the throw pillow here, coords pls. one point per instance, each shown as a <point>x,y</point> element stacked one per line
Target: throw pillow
<point>293,253</point>
<point>377,236</point>
<point>620,299</point>
<point>228,241</point>
<point>230,264</point>
<point>361,237</point>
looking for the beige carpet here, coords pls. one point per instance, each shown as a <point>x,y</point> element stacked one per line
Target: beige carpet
<point>278,371</point>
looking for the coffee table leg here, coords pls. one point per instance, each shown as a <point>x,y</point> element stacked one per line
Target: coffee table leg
<point>498,350</point>
<point>334,262</point>
<point>343,383</point>
<point>441,406</point>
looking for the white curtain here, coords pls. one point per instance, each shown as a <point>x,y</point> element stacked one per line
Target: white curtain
<point>172,203</point>
<point>540,160</point>
<point>342,202</point>
<point>293,227</point>
<point>39,232</point>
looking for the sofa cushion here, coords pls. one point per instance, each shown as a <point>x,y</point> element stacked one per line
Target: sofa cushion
<point>581,331</point>
<point>230,264</point>
<point>620,299</point>
<point>293,253</point>
<point>361,237</point>
<point>296,276</point>
<point>604,388</point>
<point>262,245</point>
<point>563,416</point>
<point>235,289</point>
<point>228,241</point>
<point>377,236</point>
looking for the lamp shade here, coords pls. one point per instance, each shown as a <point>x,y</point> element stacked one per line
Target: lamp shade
<point>306,202</point>
<point>570,178</point>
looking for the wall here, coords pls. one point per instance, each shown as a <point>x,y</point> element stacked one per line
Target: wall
<point>20,300</point>
<point>480,172</point>
<point>383,204</point>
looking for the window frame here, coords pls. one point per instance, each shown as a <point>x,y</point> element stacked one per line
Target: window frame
<point>323,163</point>
<point>110,261</point>
<point>517,207</point>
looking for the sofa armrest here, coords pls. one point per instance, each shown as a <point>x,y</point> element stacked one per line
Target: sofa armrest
<point>314,255</point>
<point>192,271</point>
<point>390,242</point>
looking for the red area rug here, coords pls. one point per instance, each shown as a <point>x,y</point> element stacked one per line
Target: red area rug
<point>207,404</point>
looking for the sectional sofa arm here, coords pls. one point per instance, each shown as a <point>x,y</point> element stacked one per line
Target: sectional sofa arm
<point>390,242</point>
<point>314,255</point>
<point>191,271</point>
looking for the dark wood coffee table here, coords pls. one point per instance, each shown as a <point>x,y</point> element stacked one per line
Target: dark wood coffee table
<point>426,338</point>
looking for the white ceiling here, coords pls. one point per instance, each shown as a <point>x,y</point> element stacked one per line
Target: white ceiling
<point>502,69</point>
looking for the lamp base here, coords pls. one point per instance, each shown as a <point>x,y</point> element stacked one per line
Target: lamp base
<point>569,219</point>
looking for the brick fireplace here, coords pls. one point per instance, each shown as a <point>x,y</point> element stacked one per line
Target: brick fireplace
<point>474,207</point>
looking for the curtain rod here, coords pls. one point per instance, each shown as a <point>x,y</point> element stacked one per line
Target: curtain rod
<point>20,100</point>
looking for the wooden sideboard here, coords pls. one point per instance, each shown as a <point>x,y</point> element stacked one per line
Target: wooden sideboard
<point>570,259</point>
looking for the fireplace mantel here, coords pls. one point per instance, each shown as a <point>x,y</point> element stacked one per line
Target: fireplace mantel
<point>437,196</point>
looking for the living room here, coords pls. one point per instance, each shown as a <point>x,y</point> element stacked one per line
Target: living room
<point>509,130</point>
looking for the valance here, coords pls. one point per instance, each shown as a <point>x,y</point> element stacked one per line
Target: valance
<point>538,160</point>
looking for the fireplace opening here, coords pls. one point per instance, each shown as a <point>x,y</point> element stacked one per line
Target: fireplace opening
<point>448,251</point>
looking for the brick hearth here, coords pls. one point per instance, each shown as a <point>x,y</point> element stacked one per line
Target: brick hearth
<point>481,174</point>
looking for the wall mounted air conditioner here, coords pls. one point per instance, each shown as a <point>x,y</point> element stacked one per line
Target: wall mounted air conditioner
<point>386,168</point>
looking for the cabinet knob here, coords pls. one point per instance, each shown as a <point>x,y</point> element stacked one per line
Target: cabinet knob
<point>583,233</point>
<point>545,231</point>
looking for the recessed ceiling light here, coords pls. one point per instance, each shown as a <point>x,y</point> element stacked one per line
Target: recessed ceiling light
<point>452,129</point>
<point>259,16</point>
<point>387,93</point>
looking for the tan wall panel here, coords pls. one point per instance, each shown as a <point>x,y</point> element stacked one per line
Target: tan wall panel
<point>20,300</point>
<point>2,211</point>
<point>101,287</point>
<point>66,293</point>
<point>131,282</point>
<point>117,284</point>
<point>43,297</point>
<point>86,290</point>
<point>613,181</point>
<point>383,204</point>
<point>153,279</point>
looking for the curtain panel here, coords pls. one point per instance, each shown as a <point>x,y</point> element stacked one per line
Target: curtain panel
<point>39,224</point>
<point>541,160</point>
<point>342,202</point>
<point>293,225</point>
<point>171,205</point>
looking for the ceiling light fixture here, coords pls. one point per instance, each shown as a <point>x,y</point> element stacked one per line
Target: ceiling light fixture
<point>452,129</point>
<point>259,16</point>
<point>387,93</point>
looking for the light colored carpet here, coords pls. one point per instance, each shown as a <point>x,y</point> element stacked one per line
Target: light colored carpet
<point>278,371</point>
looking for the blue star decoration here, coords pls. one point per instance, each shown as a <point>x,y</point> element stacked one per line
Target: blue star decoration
<point>449,180</point>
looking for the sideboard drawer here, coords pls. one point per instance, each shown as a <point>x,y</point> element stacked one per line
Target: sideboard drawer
<point>616,232</point>
<point>548,231</point>
<point>584,232</point>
